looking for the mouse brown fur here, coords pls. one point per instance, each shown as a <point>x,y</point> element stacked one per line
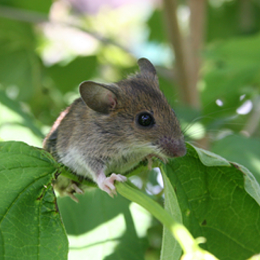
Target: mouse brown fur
<point>112,127</point>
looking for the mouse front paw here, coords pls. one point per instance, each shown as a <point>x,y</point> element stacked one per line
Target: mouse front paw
<point>108,185</point>
<point>67,187</point>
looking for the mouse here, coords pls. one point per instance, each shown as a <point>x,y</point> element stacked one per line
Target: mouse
<point>111,128</point>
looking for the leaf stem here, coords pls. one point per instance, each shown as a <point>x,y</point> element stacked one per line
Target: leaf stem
<point>181,234</point>
<point>34,17</point>
<point>189,245</point>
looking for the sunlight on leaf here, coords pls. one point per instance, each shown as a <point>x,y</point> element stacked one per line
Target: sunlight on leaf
<point>209,191</point>
<point>99,226</point>
<point>30,224</point>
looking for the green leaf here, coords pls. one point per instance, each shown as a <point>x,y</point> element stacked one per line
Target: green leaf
<point>230,19</point>
<point>222,20</point>
<point>71,75</point>
<point>129,191</point>
<point>157,28</point>
<point>100,227</point>
<point>180,233</point>
<point>232,71</point>
<point>20,66</point>
<point>210,159</point>
<point>255,257</point>
<point>230,148</point>
<point>38,6</point>
<point>171,250</point>
<point>30,223</point>
<point>218,202</point>
<point>15,106</point>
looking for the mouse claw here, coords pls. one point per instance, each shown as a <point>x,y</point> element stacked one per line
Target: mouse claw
<point>76,188</point>
<point>107,184</point>
<point>113,193</point>
<point>73,188</point>
<point>72,196</point>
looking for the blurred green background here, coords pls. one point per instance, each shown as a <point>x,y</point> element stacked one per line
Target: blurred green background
<point>207,55</point>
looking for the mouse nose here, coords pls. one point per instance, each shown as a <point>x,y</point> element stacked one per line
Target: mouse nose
<point>181,151</point>
<point>173,147</point>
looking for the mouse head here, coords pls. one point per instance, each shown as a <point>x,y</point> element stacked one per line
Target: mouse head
<point>137,112</point>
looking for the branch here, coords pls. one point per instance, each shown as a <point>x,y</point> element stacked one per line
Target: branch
<point>254,119</point>
<point>187,50</point>
<point>177,42</point>
<point>23,15</point>
<point>189,245</point>
<point>36,17</point>
<point>246,16</point>
<point>196,40</point>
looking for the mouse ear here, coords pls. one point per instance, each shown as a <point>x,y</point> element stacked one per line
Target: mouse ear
<point>99,97</point>
<point>147,69</point>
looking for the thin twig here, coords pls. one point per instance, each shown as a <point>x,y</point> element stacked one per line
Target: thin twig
<point>36,18</point>
<point>186,51</point>
<point>176,39</point>
<point>254,119</point>
<point>23,15</point>
<point>196,40</point>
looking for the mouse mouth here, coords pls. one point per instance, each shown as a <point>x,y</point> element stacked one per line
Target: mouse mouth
<point>172,148</point>
<point>160,157</point>
<point>149,159</point>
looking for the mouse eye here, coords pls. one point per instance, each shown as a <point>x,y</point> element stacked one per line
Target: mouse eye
<point>145,119</point>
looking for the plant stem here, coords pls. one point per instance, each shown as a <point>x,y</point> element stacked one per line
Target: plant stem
<point>196,40</point>
<point>253,121</point>
<point>186,49</point>
<point>37,17</point>
<point>189,245</point>
<point>23,15</point>
<point>182,235</point>
<point>175,38</point>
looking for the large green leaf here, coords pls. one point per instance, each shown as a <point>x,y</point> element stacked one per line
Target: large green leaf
<point>219,201</point>
<point>71,75</point>
<point>222,20</point>
<point>232,70</point>
<point>157,28</point>
<point>226,19</point>
<point>100,227</point>
<point>20,65</point>
<point>171,250</point>
<point>230,148</point>
<point>30,224</point>
<point>29,5</point>
<point>15,106</point>
<point>180,233</point>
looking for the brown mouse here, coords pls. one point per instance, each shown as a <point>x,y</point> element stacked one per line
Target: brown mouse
<point>111,128</point>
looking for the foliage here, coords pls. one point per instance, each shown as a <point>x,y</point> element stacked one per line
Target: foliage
<point>98,223</point>
<point>31,226</point>
<point>48,47</point>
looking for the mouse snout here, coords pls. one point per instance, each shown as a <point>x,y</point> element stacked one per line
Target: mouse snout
<point>172,147</point>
